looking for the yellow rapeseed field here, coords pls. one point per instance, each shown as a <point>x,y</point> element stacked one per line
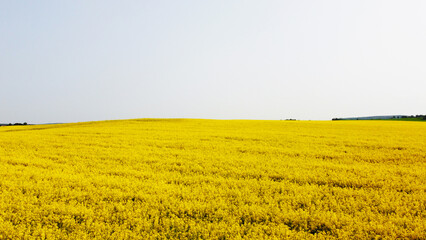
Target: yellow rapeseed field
<point>214,179</point>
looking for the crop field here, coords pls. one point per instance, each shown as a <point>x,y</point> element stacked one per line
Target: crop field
<point>213,179</point>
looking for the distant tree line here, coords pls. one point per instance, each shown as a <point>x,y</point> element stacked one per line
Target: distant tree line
<point>415,116</point>
<point>423,117</point>
<point>14,124</point>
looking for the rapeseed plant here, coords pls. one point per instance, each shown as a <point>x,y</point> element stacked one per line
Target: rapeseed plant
<point>211,179</point>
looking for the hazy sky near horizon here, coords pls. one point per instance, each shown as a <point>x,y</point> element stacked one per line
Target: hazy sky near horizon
<point>68,61</point>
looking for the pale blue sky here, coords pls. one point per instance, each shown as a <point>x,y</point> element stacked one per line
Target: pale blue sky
<point>68,61</point>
